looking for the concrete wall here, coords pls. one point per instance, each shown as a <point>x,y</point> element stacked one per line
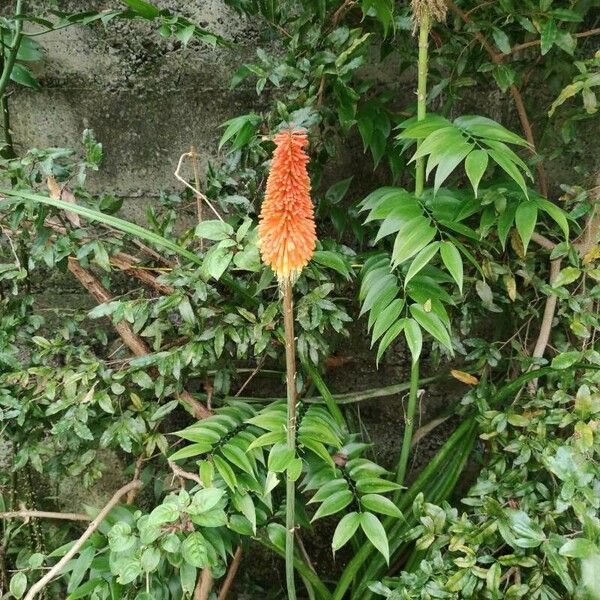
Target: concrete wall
<point>147,98</point>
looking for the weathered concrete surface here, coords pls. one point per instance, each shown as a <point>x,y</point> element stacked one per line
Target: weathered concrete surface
<point>147,98</point>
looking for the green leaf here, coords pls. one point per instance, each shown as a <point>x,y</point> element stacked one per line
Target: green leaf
<point>414,338</point>
<point>431,323</point>
<point>374,485</point>
<point>549,34</point>
<point>386,318</point>
<point>421,260</point>
<point>578,548</point>
<point>187,576</point>
<point>345,529</point>
<point>225,471</point>
<point>392,333</point>
<point>409,243</point>
<point>475,166</point>
<point>525,220</point>
<point>144,9</point>
<point>80,568</point>
<point>214,230</point>
<point>556,213</point>
<point>163,513</point>
<point>453,262</point>
<point>332,260</point>
<point>18,584</point>
<point>191,450</point>
<point>193,550</point>
<point>566,276</point>
<point>334,504</point>
<point>566,359</point>
<point>22,75</point>
<point>501,40</point>
<point>85,590</point>
<point>375,532</point>
<point>338,190</point>
<point>380,504</point>
<point>204,500</point>
<point>509,167</point>
<point>150,559</point>
<point>280,457</point>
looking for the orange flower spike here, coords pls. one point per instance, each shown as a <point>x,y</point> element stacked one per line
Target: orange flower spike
<point>286,232</point>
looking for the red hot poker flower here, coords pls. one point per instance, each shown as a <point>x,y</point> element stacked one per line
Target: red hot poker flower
<point>286,232</point>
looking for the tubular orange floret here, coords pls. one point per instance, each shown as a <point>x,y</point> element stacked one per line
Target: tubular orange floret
<point>286,232</point>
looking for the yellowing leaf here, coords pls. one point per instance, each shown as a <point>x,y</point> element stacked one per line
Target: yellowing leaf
<point>592,255</point>
<point>517,243</point>
<point>464,377</point>
<point>511,286</point>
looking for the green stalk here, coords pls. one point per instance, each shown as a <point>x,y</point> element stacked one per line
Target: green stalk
<point>290,490</point>
<point>10,59</point>
<point>408,426</point>
<point>419,185</point>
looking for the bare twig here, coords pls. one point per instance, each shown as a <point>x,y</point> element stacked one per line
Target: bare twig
<point>231,573</point>
<point>42,514</point>
<point>525,45</point>
<point>191,187</point>
<point>179,472</point>
<point>132,494</point>
<point>60,565</point>
<point>204,585</point>
<point>194,157</point>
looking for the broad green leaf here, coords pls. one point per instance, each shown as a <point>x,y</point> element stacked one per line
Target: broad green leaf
<point>163,513</point>
<point>475,165</point>
<point>205,499</point>
<point>431,323</point>
<point>345,529</point>
<point>421,260</point>
<point>375,532</point>
<point>438,141</point>
<point>420,129</point>
<point>392,333</point>
<point>414,338</point>
<point>22,75</point>
<point>380,504</point>
<point>488,129</point>
<point>525,220</point>
<point>409,243</point>
<point>453,262</point>
<point>501,40</point>
<point>334,504</point>
<point>385,285</point>
<point>578,548</point>
<point>214,230</point>
<point>18,584</point>
<point>374,485</point>
<point>193,550</point>
<point>566,276</point>
<point>85,590</point>
<point>564,360</point>
<point>548,36</point>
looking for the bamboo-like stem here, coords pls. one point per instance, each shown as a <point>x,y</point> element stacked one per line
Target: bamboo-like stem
<point>422,95</point>
<point>290,364</point>
<point>419,185</point>
<point>408,425</point>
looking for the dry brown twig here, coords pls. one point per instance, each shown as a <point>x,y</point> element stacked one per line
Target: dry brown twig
<point>231,573</point>
<point>43,514</point>
<point>60,565</point>
<point>196,191</point>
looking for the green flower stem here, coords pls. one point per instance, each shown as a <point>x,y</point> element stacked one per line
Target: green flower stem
<point>290,495</point>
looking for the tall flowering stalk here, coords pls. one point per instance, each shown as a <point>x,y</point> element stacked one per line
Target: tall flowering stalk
<point>286,238</point>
